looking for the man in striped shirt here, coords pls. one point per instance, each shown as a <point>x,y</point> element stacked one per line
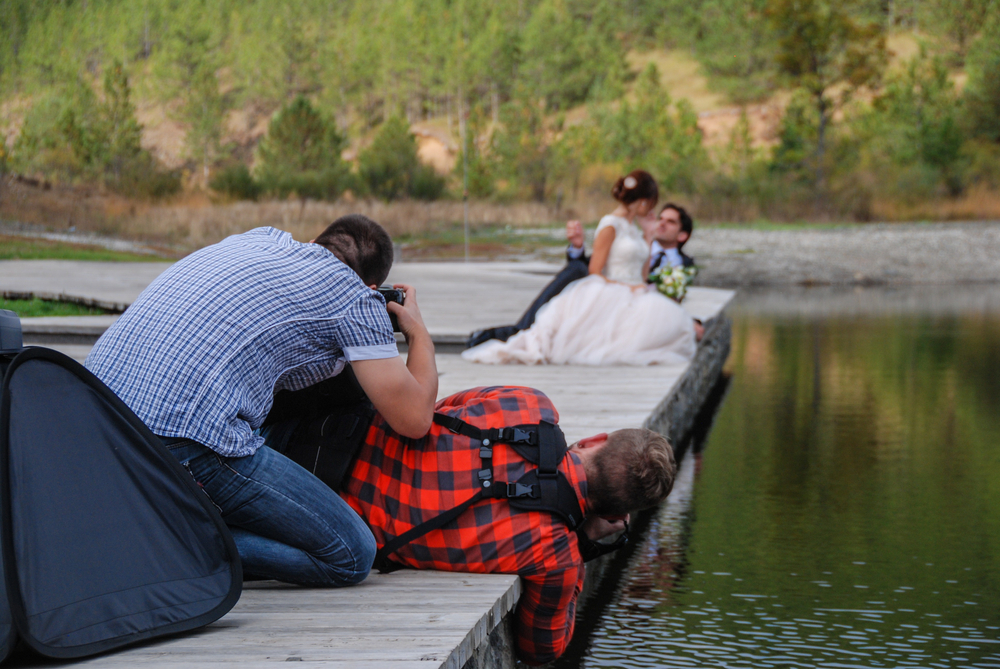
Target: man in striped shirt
<point>202,351</point>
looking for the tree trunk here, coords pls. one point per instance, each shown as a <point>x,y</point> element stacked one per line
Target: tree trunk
<point>146,46</point>
<point>462,118</point>
<point>495,103</point>
<point>823,109</point>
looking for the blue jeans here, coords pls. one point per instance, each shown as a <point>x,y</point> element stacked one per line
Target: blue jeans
<point>287,524</point>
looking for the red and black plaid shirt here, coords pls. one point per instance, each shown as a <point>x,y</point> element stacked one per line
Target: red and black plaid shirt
<point>398,483</point>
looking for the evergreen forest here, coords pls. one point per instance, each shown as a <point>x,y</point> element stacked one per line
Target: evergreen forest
<point>749,109</point>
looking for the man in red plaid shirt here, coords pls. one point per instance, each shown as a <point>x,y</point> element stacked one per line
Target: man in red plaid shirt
<point>398,483</point>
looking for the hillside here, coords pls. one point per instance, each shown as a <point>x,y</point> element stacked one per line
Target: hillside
<point>721,99</point>
<point>681,75</point>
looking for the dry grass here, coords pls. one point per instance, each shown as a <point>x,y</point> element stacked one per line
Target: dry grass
<point>977,204</point>
<point>801,206</point>
<point>904,46</point>
<point>194,225</point>
<point>194,220</point>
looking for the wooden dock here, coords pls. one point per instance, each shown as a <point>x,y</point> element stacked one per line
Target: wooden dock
<point>435,619</point>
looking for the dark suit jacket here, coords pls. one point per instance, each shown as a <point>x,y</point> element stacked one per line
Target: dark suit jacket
<point>584,258</point>
<point>687,261</point>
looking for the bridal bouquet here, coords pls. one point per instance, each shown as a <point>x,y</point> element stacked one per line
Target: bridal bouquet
<point>673,281</point>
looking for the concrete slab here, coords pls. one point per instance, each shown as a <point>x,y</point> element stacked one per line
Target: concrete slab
<point>455,298</point>
<point>111,282</point>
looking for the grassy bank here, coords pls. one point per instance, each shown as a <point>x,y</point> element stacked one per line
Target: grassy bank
<point>27,248</point>
<point>36,308</point>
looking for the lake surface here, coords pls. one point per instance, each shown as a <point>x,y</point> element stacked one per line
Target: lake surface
<point>844,510</point>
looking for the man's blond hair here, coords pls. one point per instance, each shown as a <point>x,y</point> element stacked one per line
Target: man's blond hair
<point>633,471</point>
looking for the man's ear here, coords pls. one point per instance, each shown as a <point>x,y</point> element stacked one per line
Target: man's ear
<point>312,241</point>
<point>592,442</point>
<point>683,236</point>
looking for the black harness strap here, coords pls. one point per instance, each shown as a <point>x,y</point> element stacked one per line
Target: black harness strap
<point>382,561</point>
<point>542,489</point>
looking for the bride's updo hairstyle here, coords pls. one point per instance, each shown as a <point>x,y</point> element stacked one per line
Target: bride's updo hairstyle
<point>636,185</point>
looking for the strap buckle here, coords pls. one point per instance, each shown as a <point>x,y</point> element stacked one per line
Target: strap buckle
<point>515,489</point>
<point>515,435</point>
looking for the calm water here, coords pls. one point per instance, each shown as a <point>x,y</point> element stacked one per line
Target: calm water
<point>845,508</point>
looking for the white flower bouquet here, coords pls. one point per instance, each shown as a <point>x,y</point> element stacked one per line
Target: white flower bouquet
<point>673,281</point>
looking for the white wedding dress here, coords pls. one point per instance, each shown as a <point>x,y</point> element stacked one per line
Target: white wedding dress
<point>595,322</point>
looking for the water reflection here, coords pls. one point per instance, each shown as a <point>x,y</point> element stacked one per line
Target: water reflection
<point>845,511</point>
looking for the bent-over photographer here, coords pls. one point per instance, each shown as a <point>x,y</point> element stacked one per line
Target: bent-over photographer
<point>202,351</point>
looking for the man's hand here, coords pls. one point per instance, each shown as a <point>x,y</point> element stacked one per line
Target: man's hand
<point>598,527</point>
<point>699,330</point>
<point>411,322</point>
<point>649,223</point>
<point>404,394</point>
<point>574,233</point>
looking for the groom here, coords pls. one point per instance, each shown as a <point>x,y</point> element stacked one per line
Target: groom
<point>670,232</point>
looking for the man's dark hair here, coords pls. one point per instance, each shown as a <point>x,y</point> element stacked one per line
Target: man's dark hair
<point>361,244</point>
<point>633,471</point>
<point>687,223</point>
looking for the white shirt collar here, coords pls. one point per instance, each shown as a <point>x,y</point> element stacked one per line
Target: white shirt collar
<point>673,255</point>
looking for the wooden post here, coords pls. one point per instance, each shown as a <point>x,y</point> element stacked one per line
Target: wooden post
<point>465,176</point>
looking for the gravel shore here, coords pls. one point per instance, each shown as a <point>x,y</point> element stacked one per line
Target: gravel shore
<point>873,254</point>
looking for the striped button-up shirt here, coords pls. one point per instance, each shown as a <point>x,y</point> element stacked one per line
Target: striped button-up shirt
<point>204,348</point>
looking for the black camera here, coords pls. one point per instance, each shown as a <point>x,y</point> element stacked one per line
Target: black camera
<point>391,294</point>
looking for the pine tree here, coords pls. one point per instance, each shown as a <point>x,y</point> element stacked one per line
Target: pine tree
<point>821,46</point>
<point>301,154</point>
<point>737,48</point>
<point>124,134</point>
<point>648,134</point>
<point>519,150</point>
<point>480,173</point>
<point>982,91</point>
<point>390,168</point>
<point>959,20</point>
<point>567,58</point>
<point>188,62</point>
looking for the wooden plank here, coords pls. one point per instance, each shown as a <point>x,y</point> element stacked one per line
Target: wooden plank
<point>407,618</point>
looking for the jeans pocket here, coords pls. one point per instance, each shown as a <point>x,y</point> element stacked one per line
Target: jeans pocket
<point>240,489</point>
<point>200,477</point>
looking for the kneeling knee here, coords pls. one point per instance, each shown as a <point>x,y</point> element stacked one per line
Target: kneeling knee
<point>357,566</point>
<point>364,559</point>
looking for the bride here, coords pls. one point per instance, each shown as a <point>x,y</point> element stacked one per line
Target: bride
<point>610,317</point>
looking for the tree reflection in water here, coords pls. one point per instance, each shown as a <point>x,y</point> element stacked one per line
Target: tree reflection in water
<point>845,511</point>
